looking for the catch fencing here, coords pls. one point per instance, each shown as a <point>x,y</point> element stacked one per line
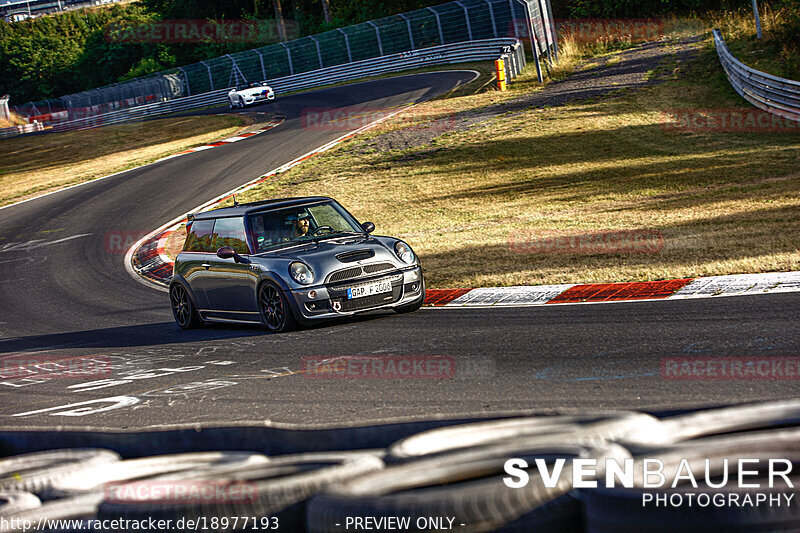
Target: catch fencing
<point>510,50</point>
<point>778,96</point>
<point>448,24</point>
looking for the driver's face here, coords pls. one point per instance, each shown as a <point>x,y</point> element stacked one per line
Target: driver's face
<point>301,225</point>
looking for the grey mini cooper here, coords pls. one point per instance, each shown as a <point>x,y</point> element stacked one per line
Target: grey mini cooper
<point>288,261</point>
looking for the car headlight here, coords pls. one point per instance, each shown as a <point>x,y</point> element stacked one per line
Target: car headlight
<point>301,273</point>
<point>404,252</point>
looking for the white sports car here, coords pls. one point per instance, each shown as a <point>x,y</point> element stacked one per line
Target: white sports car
<point>249,94</point>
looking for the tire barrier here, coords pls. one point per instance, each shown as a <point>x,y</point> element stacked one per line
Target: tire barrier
<point>91,480</point>
<point>709,422</point>
<point>467,485</point>
<point>12,503</point>
<point>600,427</point>
<point>436,475</point>
<point>36,472</point>
<point>277,489</point>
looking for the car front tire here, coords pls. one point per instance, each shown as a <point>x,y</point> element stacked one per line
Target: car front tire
<point>276,314</point>
<point>183,310</point>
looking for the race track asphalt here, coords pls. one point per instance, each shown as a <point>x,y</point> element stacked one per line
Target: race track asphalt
<point>64,294</point>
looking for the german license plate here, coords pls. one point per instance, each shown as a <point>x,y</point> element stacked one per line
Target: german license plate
<point>379,287</point>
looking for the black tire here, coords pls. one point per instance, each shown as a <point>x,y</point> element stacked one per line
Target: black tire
<point>12,503</point>
<point>467,486</point>
<point>35,472</point>
<point>709,422</point>
<point>93,479</point>
<point>183,309</point>
<point>586,428</point>
<point>410,308</point>
<point>276,313</point>
<point>622,510</point>
<point>230,104</point>
<point>75,512</point>
<point>278,488</point>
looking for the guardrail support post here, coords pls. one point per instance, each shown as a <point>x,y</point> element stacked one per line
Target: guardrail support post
<point>210,78</point>
<point>377,34</point>
<point>410,35</point>
<point>347,44</point>
<point>758,19</point>
<point>553,29</point>
<point>438,24</point>
<point>185,77</point>
<point>261,58</point>
<point>466,16</point>
<point>319,52</point>
<point>491,16</point>
<point>288,55</point>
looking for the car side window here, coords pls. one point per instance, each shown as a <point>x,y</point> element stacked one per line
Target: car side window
<point>230,232</point>
<point>198,236</point>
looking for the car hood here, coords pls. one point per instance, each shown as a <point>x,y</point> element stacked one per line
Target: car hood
<point>329,255</point>
<point>254,90</point>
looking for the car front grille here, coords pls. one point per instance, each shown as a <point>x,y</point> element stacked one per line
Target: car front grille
<point>339,294</point>
<point>359,271</point>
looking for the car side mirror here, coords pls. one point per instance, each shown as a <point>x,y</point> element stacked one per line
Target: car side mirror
<point>369,227</point>
<point>226,252</point>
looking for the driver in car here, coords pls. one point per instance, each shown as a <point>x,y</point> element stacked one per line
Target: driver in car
<point>301,225</point>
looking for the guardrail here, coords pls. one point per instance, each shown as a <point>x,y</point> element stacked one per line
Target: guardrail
<point>24,129</point>
<point>488,49</point>
<point>778,96</point>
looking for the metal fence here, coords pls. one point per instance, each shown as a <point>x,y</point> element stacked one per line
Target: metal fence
<point>511,50</point>
<point>454,22</point>
<point>778,96</point>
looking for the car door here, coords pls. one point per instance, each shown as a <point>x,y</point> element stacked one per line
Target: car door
<point>230,286</point>
<point>193,266</point>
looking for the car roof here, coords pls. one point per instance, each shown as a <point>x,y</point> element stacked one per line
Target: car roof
<point>254,207</point>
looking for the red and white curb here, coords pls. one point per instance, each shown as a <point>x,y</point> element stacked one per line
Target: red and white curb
<point>268,126</point>
<point>675,289</point>
<point>147,260</point>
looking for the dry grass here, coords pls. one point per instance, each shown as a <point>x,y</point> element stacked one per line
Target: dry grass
<point>32,165</point>
<point>723,202</point>
<point>12,120</point>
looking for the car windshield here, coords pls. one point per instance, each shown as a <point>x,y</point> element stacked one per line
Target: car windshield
<point>296,225</point>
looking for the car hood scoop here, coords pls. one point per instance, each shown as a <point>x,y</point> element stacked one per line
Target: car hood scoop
<point>355,255</point>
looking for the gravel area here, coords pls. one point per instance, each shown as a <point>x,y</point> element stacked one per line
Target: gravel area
<point>627,70</point>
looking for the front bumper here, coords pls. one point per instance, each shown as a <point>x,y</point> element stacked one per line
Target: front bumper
<point>249,100</point>
<point>331,300</point>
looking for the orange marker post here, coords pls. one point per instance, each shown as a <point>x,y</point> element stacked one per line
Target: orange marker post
<point>500,69</point>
